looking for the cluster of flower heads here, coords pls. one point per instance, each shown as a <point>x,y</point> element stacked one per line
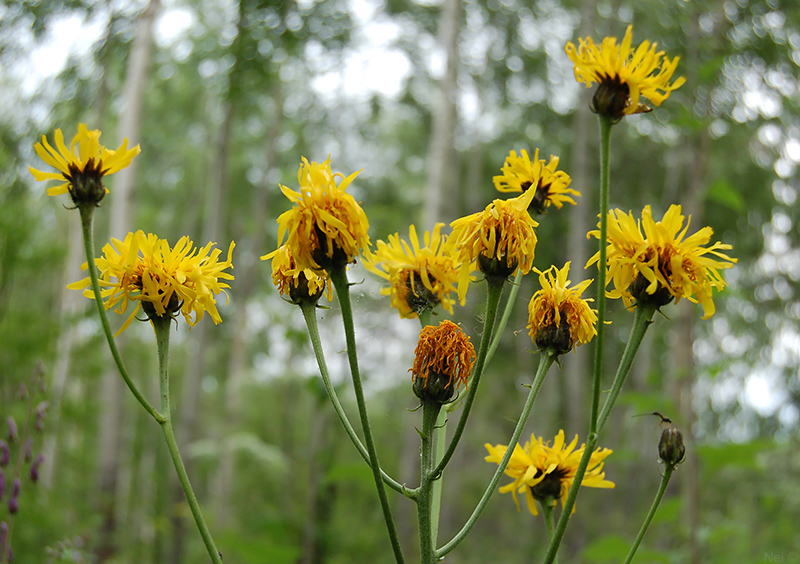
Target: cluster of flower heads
<point>546,473</point>
<point>162,280</point>
<point>663,264</point>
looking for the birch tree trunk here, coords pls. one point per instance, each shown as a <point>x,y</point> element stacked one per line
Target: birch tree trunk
<point>112,417</point>
<point>246,283</point>
<point>72,303</point>
<point>200,339</point>
<point>441,171</point>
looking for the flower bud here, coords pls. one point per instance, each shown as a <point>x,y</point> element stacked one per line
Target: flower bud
<point>13,502</point>
<point>5,454</point>
<point>2,484</point>
<point>28,449</point>
<point>3,537</point>
<point>670,447</point>
<point>23,391</point>
<point>13,433</point>
<point>35,467</point>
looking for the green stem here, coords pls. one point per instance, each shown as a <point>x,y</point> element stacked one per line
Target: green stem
<point>339,278</point>
<point>605,151</point>
<point>440,438</point>
<point>430,412</point>
<point>660,494</point>
<point>310,315</point>
<point>643,317</point>
<point>548,505</point>
<point>501,326</point>
<point>591,440</point>
<point>162,326</point>
<point>545,362</point>
<point>87,212</point>
<point>494,290</point>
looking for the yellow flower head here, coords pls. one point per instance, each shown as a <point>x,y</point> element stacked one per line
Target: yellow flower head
<point>546,473</point>
<point>326,228</point>
<point>81,166</point>
<point>551,185</point>
<point>297,284</point>
<point>624,74</point>
<point>162,280</point>
<point>420,277</point>
<point>558,318</point>
<point>663,264</point>
<point>443,361</point>
<point>501,238</point>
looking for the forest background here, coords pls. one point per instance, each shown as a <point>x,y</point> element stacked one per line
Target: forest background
<point>428,97</point>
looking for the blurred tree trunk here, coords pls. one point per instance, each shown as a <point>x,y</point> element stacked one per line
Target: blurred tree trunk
<point>442,168</point>
<point>245,286</point>
<point>72,303</point>
<point>112,416</point>
<point>215,211</point>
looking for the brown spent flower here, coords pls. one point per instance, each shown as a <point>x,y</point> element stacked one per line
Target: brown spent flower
<point>443,361</point>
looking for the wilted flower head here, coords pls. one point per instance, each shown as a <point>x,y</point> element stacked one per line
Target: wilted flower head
<point>623,74</point>
<point>501,238</point>
<point>298,284</point>
<point>420,277</point>
<point>558,318</point>
<point>82,165</point>
<point>443,361</point>
<point>546,473</point>
<point>326,228</point>
<point>163,281</point>
<point>520,174</point>
<point>663,264</point>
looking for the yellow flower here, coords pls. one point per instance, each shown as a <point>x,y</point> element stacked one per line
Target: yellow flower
<point>624,74</point>
<point>81,166</point>
<point>163,281</point>
<point>663,264</point>
<point>420,277</point>
<point>558,318</point>
<point>443,361</point>
<point>501,238</point>
<point>326,228</point>
<point>296,283</point>
<point>546,473</point>
<point>551,185</point>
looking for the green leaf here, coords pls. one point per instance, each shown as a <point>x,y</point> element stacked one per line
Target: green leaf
<point>723,192</point>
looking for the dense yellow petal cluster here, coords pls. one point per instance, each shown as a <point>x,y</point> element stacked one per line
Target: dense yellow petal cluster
<point>502,235</point>
<point>85,159</point>
<point>144,269</point>
<point>543,472</point>
<point>663,259</point>
<point>520,173</point>
<point>630,72</point>
<point>558,318</point>
<point>443,361</point>
<point>326,228</point>
<point>294,282</point>
<point>420,276</point>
